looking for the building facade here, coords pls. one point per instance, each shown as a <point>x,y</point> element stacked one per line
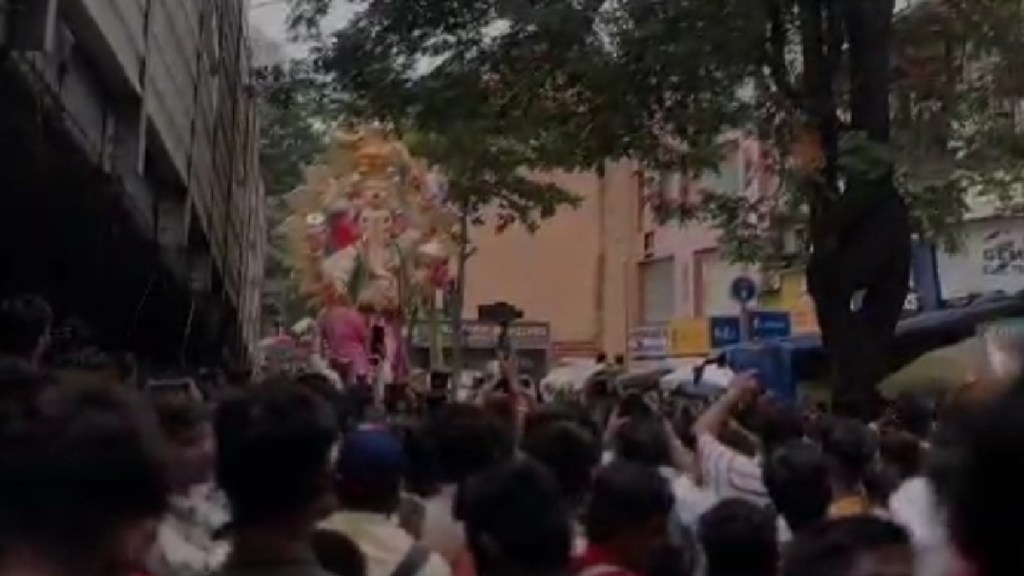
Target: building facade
<point>142,112</point>
<point>576,273</point>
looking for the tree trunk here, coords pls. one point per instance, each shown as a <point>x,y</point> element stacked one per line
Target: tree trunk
<point>859,271</point>
<point>459,297</point>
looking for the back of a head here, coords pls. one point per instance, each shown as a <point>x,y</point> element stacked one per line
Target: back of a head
<point>179,416</point>
<point>913,414</point>
<point>467,441</point>
<point>739,538</point>
<point>569,451</point>
<point>643,441</point>
<point>515,520</point>
<point>24,321</point>
<point>851,447</point>
<point>625,496</point>
<point>982,485</point>
<point>901,452</point>
<point>338,554</point>
<point>797,478</point>
<point>836,547</point>
<point>551,413</point>
<point>273,455</point>
<point>777,423</point>
<point>81,464</point>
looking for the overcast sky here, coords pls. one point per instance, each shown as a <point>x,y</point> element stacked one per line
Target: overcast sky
<point>269,16</point>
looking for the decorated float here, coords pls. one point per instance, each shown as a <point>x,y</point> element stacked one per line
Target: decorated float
<point>369,243</point>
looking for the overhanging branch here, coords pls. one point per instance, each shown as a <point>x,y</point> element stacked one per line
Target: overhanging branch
<point>775,56</point>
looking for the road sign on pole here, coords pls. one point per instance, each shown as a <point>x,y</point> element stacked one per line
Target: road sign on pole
<point>743,289</point>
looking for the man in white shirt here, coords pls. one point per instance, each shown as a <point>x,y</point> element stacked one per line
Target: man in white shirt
<point>725,471</point>
<point>368,481</point>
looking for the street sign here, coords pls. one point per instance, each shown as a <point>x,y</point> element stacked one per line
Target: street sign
<point>770,325</point>
<point>725,331</point>
<point>649,342</point>
<point>743,289</point>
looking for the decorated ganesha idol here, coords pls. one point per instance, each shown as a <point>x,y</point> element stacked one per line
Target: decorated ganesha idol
<point>369,242</point>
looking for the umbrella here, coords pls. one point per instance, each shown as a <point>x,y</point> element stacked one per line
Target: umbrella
<point>937,372</point>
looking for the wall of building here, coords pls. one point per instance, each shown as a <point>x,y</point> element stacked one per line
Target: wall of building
<point>574,272</point>
<point>158,93</point>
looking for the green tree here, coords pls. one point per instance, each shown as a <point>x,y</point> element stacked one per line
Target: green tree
<point>297,108</point>
<point>574,82</point>
<point>486,186</point>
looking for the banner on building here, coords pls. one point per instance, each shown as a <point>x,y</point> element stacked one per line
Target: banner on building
<point>483,335</point>
<point>649,342</point>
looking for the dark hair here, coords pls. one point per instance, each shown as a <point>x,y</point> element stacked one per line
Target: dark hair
<point>338,554</point>
<point>901,452</point>
<point>643,441</point>
<point>832,548</point>
<point>24,320</point>
<point>850,447</point>
<point>273,453</point>
<point>797,479</point>
<point>739,539</point>
<point>467,440</point>
<point>777,424</point>
<point>179,416</point>
<point>913,414</point>
<point>321,386</point>
<point>514,516</point>
<point>89,359</point>
<point>421,475</point>
<point>880,481</point>
<point>20,385</point>
<point>560,412</point>
<point>79,463</point>
<point>569,451</point>
<point>625,496</point>
<point>982,484</point>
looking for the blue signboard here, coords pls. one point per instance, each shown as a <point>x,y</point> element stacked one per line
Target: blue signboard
<point>725,331</point>
<point>769,325</point>
<point>743,289</point>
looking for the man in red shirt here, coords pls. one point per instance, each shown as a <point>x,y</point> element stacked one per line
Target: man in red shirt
<point>626,521</point>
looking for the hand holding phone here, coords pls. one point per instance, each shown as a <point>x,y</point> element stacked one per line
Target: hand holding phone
<point>746,384</point>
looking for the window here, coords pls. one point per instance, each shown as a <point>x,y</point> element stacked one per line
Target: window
<point>657,291</point>
<point>648,244</point>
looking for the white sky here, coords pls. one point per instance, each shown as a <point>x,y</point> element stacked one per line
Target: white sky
<point>269,16</point>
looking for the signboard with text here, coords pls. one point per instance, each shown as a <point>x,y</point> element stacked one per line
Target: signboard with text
<point>483,335</point>
<point>770,325</point>
<point>649,342</point>
<point>991,259</point>
<point>725,331</point>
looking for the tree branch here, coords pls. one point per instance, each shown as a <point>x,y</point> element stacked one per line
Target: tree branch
<point>775,55</point>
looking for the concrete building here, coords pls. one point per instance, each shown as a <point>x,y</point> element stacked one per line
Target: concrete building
<point>130,192</point>
<point>608,276</point>
<point>576,272</point>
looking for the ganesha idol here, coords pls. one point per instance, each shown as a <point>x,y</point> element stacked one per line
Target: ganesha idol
<point>369,243</point>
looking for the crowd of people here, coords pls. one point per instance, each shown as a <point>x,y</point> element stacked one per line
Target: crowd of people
<point>278,478</point>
